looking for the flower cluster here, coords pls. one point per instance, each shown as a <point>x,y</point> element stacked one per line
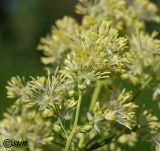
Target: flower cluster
<point>121,12</point>
<point>48,94</point>
<point>150,128</point>
<point>145,55</point>
<point>21,124</point>
<point>56,44</point>
<point>98,52</point>
<point>77,106</point>
<point>116,110</point>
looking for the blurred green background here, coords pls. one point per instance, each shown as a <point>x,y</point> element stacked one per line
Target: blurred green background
<point>22,23</point>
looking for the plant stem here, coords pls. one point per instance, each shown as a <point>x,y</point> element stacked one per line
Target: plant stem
<point>69,139</point>
<point>95,95</point>
<point>100,143</point>
<point>142,88</point>
<point>62,127</point>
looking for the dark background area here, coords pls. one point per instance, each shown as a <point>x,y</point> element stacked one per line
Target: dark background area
<point>22,24</point>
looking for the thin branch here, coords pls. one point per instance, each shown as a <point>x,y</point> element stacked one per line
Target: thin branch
<point>69,139</point>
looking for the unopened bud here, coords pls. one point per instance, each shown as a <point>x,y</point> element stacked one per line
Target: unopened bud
<point>56,128</point>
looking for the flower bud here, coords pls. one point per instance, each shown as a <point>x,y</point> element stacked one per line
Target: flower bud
<point>56,128</point>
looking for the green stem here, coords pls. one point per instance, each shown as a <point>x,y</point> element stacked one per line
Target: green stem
<point>62,127</point>
<point>69,139</point>
<point>142,88</point>
<point>95,95</point>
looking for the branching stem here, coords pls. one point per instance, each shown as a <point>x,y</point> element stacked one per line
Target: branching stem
<point>62,127</point>
<point>69,139</point>
<point>142,88</point>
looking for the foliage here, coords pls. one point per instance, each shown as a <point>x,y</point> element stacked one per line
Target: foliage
<point>85,61</point>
